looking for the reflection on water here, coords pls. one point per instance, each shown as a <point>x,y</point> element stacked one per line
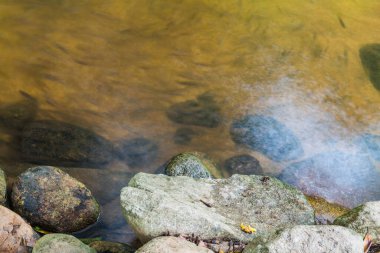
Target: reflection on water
<point>138,71</point>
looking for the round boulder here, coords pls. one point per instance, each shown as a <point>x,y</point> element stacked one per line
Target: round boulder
<point>53,243</point>
<point>51,199</point>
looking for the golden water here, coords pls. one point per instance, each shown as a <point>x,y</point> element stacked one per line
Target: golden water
<point>116,66</point>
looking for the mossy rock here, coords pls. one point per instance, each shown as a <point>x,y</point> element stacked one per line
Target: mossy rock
<point>326,212</point>
<point>192,164</point>
<point>370,57</point>
<point>62,243</point>
<point>54,201</point>
<point>111,247</point>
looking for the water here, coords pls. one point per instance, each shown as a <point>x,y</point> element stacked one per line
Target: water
<point>115,67</point>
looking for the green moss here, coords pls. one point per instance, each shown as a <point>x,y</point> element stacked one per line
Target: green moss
<point>349,217</point>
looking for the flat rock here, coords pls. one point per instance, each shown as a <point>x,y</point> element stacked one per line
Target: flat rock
<point>361,218</point>
<point>51,199</point>
<point>345,179</point>
<point>268,136</point>
<point>370,58</point>
<point>170,244</point>
<point>202,111</point>
<point>16,236</point>
<point>63,144</point>
<point>62,243</point>
<point>308,239</point>
<point>156,205</point>
<point>3,188</point>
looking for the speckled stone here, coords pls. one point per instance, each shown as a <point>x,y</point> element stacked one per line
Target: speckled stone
<point>51,199</point>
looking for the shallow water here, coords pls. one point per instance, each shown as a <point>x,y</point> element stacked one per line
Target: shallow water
<point>115,67</point>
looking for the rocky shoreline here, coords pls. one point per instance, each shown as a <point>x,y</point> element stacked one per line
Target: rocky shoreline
<point>186,209</point>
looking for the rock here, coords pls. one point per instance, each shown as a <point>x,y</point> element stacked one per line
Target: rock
<point>267,136</point>
<point>171,244</point>
<point>370,58</point>
<point>200,112</point>
<point>361,218</point>
<point>53,243</point>
<point>371,144</point>
<point>49,198</point>
<point>184,135</point>
<point>3,188</point>
<point>156,205</point>
<point>345,179</point>
<point>111,247</point>
<point>308,239</point>
<point>137,152</point>
<point>243,164</point>
<point>63,144</point>
<point>16,236</point>
<point>15,116</point>
<point>191,164</point>
<point>325,212</point>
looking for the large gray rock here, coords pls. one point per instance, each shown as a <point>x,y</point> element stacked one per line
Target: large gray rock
<point>171,244</point>
<point>156,205</point>
<point>51,199</point>
<point>3,188</point>
<point>268,136</point>
<point>361,218</point>
<point>308,239</point>
<point>62,243</point>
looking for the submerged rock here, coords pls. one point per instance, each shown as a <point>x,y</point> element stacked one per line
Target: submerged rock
<point>49,198</point>
<point>363,219</point>
<point>16,236</point>
<point>308,239</point>
<point>267,136</point>
<point>371,144</point>
<point>156,205</point>
<point>325,212</point>
<point>243,164</point>
<point>3,188</point>
<point>59,143</point>
<point>137,152</point>
<point>111,247</point>
<point>62,243</point>
<point>171,244</point>
<point>200,112</point>
<point>370,57</point>
<point>191,164</point>
<point>184,135</point>
<point>345,179</point>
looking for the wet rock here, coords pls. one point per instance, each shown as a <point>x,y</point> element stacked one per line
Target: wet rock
<point>156,205</point>
<point>370,58</point>
<point>308,239</point>
<point>62,243</point>
<point>362,219</point>
<point>191,164</point>
<point>111,247</point>
<point>184,135</point>
<point>326,212</point>
<point>49,198</point>
<point>3,188</point>
<point>371,144</point>
<point>16,236</point>
<point>63,144</point>
<point>200,112</point>
<point>15,116</point>
<point>170,244</point>
<point>267,136</point>
<point>345,179</point>
<point>137,152</point>
<point>243,164</point>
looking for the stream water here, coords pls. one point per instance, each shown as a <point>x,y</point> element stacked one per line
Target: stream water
<point>116,67</point>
